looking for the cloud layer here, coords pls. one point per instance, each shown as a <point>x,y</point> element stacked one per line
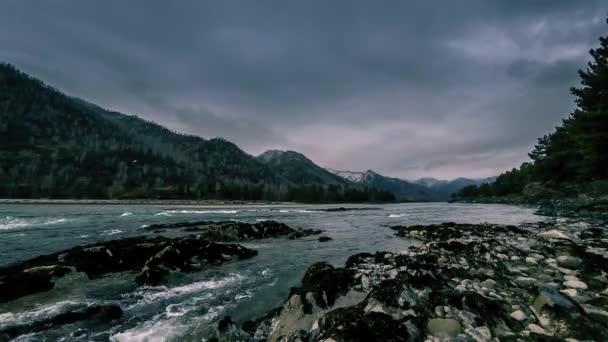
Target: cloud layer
<point>443,88</point>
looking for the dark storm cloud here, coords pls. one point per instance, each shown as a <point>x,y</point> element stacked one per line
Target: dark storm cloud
<point>436,88</point>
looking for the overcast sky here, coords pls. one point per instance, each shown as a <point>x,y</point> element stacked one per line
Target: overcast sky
<point>437,88</point>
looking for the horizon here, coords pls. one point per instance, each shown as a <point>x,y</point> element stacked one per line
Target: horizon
<point>463,91</point>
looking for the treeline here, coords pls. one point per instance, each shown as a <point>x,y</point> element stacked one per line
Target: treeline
<point>55,146</point>
<point>577,151</point>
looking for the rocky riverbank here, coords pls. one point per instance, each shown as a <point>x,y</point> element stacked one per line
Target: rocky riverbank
<point>463,282</point>
<point>589,201</point>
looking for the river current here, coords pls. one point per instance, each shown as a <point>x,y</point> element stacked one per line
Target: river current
<point>188,306</point>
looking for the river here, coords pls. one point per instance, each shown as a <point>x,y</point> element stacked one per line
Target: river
<point>189,305</point>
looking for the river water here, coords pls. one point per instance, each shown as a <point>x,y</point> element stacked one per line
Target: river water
<point>188,306</point>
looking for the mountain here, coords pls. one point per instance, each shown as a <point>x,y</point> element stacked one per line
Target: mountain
<point>424,189</point>
<point>296,168</point>
<point>402,189</point>
<point>56,146</point>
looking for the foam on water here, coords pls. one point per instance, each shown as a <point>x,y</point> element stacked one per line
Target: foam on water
<point>155,330</point>
<point>152,294</point>
<point>15,222</point>
<point>201,212</point>
<point>126,214</point>
<point>111,232</point>
<point>37,313</point>
<point>396,215</point>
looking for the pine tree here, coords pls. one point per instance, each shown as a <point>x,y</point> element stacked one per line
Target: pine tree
<point>589,123</point>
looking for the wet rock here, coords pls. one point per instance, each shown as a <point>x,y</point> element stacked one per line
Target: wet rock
<point>19,284</point>
<point>488,284</point>
<point>154,257</point>
<point>324,238</point>
<point>563,317</point>
<point>525,281</point>
<point>325,283</point>
<point>575,284</point>
<point>104,313</point>
<point>518,315</point>
<point>352,324</point>
<point>443,327</point>
<point>237,231</point>
<point>538,330</point>
<point>568,261</point>
<point>480,334</point>
<point>554,234</point>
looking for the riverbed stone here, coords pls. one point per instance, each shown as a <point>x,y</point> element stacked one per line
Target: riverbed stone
<point>575,284</point>
<point>443,327</point>
<point>568,261</point>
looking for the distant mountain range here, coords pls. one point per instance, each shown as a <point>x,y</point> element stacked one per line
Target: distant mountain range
<point>56,146</point>
<point>424,189</point>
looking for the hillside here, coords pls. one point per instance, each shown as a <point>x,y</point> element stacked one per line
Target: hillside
<point>56,146</point>
<point>297,168</point>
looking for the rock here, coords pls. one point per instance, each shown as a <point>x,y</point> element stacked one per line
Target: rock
<point>518,315</point>
<point>235,230</point>
<point>531,261</point>
<point>597,314</point>
<point>488,283</point>
<point>481,334</point>
<point>538,330</point>
<point>325,283</point>
<point>554,234</point>
<point>324,238</point>
<point>568,261</point>
<point>352,324</point>
<point>365,282</point>
<point>525,281</point>
<point>19,284</point>
<point>575,284</point>
<point>103,313</point>
<point>443,327</point>
<point>154,257</point>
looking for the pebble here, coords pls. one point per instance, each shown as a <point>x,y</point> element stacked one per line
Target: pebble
<point>443,327</point>
<point>365,282</point>
<point>568,261</point>
<point>575,284</point>
<point>525,281</point>
<point>554,234</point>
<point>531,261</point>
<point>518,315</point>
<point>538,330</point>
<point>481,334</point>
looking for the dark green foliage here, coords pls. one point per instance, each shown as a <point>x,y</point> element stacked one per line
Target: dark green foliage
<point>579,147</point>
<point>577,151</point>
<point>56,146</point>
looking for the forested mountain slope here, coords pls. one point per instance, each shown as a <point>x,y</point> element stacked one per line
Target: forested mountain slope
<point>56,146</point>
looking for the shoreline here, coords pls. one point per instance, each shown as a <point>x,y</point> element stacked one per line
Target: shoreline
<point>193,203</point>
